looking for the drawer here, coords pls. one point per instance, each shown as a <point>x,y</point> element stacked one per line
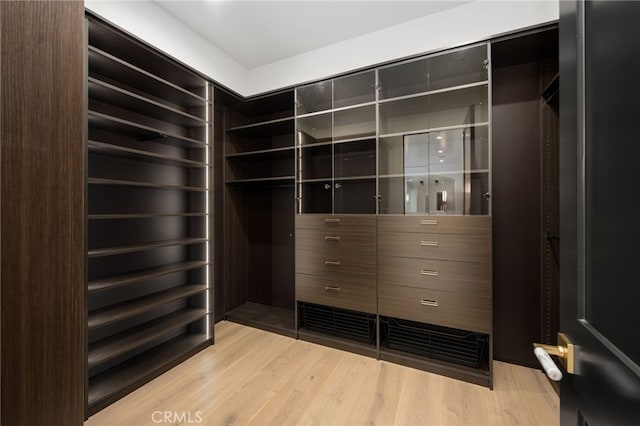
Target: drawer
<point>336,242</point>
<point>458,277</point>
<point>466,225</point>
<point>333,266</point>
<point>332,223</point>
<point>462,311</point>
<point>464,248</point>
<point>358,295</point>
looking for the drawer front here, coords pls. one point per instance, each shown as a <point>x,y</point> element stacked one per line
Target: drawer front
<point>336,242</point>
<point>333,266</point>
<point>460,277</point>
<point>466,312</point>
<point>466,225</point>
<point>463,248</point>
<point>358,295</point>
<point>332,223</point>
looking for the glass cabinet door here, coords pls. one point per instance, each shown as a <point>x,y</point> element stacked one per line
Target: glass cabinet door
<point>354,89</point>
<point>314,97</point>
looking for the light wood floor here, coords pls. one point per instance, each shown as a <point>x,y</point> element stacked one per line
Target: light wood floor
<point>252,377</point>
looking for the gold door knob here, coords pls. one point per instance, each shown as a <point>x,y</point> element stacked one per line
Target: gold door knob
<point>565,351</point>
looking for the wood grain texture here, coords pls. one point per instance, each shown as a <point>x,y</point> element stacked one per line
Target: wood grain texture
<point>464,248</point>
<point>456,310</point>
<point>352,265</point>
<point>258,378</point>
<point>447,275</point>
<point>42,212</point>
<point>358,294</point>
<point>349,223</point>
<point>466,225</point>
<point>349,243</point>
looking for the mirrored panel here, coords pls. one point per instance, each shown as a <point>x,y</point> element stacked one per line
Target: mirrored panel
<point>435,173</point>
<point>354,89</point>
<point>314,129</point>
<point>314,97</point>
<point>354,123</point>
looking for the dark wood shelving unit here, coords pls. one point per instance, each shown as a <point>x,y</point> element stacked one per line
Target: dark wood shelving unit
<point>148,215</point>
<point>259,206</point>
<point>120,280</point>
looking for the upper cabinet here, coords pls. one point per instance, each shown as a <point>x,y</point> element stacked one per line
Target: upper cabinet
<point>336,131</point>
<point>407,138</point>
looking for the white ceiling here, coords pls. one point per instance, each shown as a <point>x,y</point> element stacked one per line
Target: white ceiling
<point>257,33</point>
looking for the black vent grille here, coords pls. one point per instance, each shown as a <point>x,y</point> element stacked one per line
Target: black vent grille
<point>447,344</point>
<point>352,325</point>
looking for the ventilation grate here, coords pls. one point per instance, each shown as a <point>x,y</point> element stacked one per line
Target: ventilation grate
<point>352,325</point>
<point>447,344</point>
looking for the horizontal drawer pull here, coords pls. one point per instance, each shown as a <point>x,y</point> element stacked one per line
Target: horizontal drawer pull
<point>430,272</point>
<point>429,243</point>
<point>331,288</point>
<point>332,238</point>
<point>428,302</point>
<point>332,262</point>
<point>332,220</point>
<point>428,221</point>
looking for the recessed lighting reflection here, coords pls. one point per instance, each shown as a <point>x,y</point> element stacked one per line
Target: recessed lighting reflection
<point>440,151</point>
<point>442,161</point>
<point>439,137</point>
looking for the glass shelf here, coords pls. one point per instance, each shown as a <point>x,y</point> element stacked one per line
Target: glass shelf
<point>455,68</point>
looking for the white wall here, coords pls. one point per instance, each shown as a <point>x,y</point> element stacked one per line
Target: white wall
<point>453,27</point>
<point>470,22</point>
<point>147,21</point>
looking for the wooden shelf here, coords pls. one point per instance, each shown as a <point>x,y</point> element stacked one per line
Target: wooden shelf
<point>140,131</point>
<point>123,98</point>
<point>141,215</point>
<point>111,314</point>
<point>434,92</point>
<point>111,385</point>
<point>138,154</point>
<point>120,280</point>
<point>104,64</point>
<point>136,337</point>
<point>103,181</point>
<point>109,251</point>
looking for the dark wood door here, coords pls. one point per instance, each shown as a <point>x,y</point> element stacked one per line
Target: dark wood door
<point>600,210</point>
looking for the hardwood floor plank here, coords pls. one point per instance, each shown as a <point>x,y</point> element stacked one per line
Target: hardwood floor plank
<point>252,377</point>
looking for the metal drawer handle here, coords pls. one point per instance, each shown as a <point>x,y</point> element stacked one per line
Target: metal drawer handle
<point>429,302</point>
<point>332,220</point>
<point>428,221</point>
<point>332,238</point>
<point>332,262</point>
<point>430,272</point>
<point>334,289</point>
<point>429,243</point>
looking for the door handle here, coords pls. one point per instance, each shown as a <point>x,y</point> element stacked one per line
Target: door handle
<point>565,351</point>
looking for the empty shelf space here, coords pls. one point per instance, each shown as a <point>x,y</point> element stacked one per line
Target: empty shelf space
<point>109,283</point>
<point>109,251</point>
<point>138,154</point>
<point>270,153</point>
<point>111,314</point>
<point>106,387</point>
<point>437,91</point>
<point>280,125</point>
<point>121,343</point>
<point>140,131</point>
<point>267,317</point>
<point>141,215</point>
<point>115,95</point>
<point>265,180</point>
<point>105,64</point>
<point>103,181</point>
